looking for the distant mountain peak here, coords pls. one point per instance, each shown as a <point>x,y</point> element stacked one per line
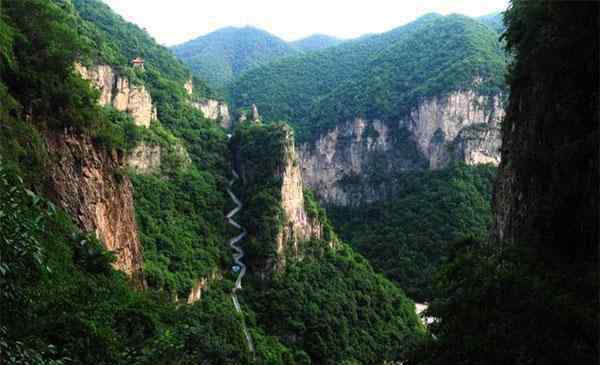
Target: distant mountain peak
<point>222,55</point>
<point>316,42</point>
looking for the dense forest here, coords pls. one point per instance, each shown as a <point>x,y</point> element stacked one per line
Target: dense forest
<point>408,237</point>
<point>327,304</point>
<point>181,235</point>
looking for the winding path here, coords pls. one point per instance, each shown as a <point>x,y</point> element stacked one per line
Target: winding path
<point>238,255</point>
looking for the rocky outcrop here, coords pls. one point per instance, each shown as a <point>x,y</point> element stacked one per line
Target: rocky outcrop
<point>437,122</point>
<point>117,91</point>
<point>477,144</point>
<point>251,115</point>
<point>345,166</point>
<point>297,226</point>
<point>189,87</point>
<point>215,110</point>
<point>201,286</point>
<point>145,158</point>
<point>356,162</point>
<point>85,180</point>
<point>275,211</point>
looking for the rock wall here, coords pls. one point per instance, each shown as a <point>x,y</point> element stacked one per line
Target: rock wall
<point>438,121</point>
<point>297,226</point>
<point>215,110</point>
<point>117,91</point>
<point>356,162</point>
<point>269,169</point>
<point>343,165</point>
<point>84,179</point>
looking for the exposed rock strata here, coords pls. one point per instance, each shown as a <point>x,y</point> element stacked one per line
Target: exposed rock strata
<point>438,121</point>
<point>356,162</point>
<point>215,110</point>
<point>84,179</point>
<point>117,91</point>
<point>297,226</point>
<point>345,165</point>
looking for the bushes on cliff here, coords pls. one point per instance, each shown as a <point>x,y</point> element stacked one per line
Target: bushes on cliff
<point>182,228</point>
<point>62,303</point>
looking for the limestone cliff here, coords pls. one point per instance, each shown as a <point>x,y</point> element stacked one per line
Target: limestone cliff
<point>297,225</point>
<point>117,91</point>
<point>355,162</point>
<point>275,210</point>
<point>84,179</point>
<point>215,110</point>
<point>437,122</point>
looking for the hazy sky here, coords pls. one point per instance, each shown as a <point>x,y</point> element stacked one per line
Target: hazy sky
<point>176,21</point>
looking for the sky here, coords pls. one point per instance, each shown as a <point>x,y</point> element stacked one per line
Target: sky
<point>173,22</point>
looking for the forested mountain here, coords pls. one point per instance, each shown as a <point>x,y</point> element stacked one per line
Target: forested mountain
<point>223,55</point>
<point>316,42</point>
<point>381,76</point>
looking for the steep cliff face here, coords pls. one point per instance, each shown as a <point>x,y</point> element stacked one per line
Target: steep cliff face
<point>212,109</point>
<point>117,91</point>
<point>297,225</point>
<point>338,165</point>
<point>437,122</point>
<point>215,110</point>
<point>275,210</point>
<point>355,162</point>
<point>84,180</point>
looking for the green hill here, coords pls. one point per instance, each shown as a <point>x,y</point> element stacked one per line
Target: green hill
<point>316,42</point>
<point>221,56</point>
<point>381,76</point>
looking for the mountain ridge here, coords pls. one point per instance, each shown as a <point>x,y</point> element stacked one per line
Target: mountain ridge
<point>222,55</point>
